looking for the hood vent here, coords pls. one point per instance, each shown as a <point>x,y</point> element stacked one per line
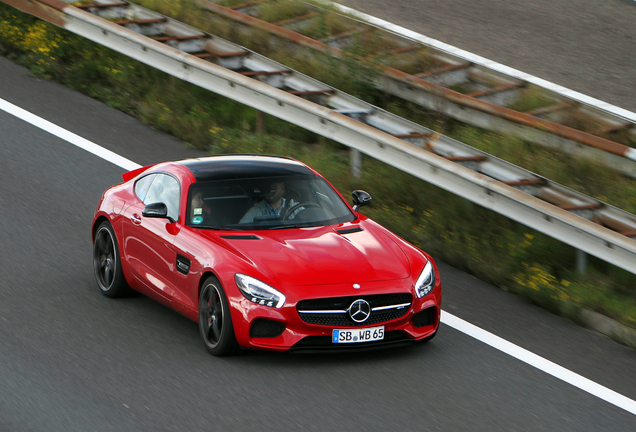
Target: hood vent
<point>241,237</point>
<point>349,230</point>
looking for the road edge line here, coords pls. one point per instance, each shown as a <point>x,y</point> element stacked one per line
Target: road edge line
<point>68,136</point>
<point>539,362</point>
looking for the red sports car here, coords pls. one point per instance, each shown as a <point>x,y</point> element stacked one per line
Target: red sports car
<point>263,253</point>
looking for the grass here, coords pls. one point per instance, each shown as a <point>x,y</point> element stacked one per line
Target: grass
<point>371,43</point>
<point>230,3</point>
<point>414,62</point>
<point>327,24</point>
<point>454,230</point>
<point>281,10</point>
<point>531,98</point>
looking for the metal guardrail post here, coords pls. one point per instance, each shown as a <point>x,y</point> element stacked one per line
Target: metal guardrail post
<point>581,262</point>
<point>355,161</point>
<point>260,122</point>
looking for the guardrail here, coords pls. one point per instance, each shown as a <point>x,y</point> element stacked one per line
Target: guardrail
<point>485,93</point>
<point>507,189</point>
<point>601,106</point>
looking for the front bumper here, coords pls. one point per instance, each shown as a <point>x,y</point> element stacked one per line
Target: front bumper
<point>292,333</point>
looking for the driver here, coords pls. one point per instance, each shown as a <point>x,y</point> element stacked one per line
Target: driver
<point>271,206</point>
<point>200,213</point>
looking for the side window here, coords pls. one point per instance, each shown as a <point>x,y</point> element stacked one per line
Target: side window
<point>142,185</point>
<point>165,189</point>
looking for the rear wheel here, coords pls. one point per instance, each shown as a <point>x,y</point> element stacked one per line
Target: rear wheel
<point>107,263</point>
<point>215,322</point>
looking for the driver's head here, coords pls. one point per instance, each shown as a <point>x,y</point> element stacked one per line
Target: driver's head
<point>278,189</point>
<point>197,200</point>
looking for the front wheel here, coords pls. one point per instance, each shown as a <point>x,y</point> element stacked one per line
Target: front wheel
<point>107,263</point>
<point>215,322</point>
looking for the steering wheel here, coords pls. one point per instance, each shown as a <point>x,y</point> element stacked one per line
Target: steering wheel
<point>294,210</point>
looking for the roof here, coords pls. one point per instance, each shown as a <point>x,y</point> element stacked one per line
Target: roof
<point>224,167</point>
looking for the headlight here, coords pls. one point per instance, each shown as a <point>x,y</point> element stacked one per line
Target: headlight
<point>259,292</point>
<point>426,281</point>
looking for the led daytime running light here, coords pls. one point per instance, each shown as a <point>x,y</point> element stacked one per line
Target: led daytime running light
<point>426,281</point>
<point>259,292</point>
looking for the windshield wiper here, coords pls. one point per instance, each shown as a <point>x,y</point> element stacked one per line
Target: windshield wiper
<point>282,226</point>
<point>220,228</point>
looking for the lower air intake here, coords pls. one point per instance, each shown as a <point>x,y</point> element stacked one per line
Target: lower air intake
<point>264,328</point>
<point>424,318</point>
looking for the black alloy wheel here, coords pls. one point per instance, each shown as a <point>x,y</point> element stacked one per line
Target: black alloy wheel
<point>107,263</point>
<point>215,322</point>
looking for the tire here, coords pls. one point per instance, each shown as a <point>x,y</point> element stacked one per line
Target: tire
<point>107,263</point>
<point>215,322</point>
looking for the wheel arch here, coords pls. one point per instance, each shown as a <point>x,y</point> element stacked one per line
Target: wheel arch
<point>206,274</point>
<point>96,224</point>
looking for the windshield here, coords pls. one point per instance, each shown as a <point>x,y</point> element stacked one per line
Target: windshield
<point>265,203</point>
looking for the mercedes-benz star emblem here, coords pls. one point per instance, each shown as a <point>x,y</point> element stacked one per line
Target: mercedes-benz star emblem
<point>359,310</point>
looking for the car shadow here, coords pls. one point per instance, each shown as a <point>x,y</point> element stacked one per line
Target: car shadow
<point>292,359</point>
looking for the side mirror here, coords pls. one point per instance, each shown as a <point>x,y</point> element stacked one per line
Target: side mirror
<point>360,198</point>
<point>155,210</point>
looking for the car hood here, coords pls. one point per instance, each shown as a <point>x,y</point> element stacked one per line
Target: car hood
<point>322,255</point>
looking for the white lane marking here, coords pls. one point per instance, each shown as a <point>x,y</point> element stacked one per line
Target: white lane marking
<point>74,139</point>
<point>447,318</point>
<point>539,362</point>
<point>628,115</point>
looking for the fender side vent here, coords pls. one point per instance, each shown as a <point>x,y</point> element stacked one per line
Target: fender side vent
<point>183,264</point>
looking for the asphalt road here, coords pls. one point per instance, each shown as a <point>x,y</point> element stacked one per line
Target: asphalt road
<point>584,45</point>
<point>73,360</point>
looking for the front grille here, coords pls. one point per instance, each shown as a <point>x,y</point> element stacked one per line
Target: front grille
<point>339,304</point>
<point>325,343</point>
<point>343,319</point>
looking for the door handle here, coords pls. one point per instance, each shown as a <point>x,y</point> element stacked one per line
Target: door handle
<point>135,218</point>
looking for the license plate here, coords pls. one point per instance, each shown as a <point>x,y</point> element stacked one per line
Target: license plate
<point>358,335</point>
